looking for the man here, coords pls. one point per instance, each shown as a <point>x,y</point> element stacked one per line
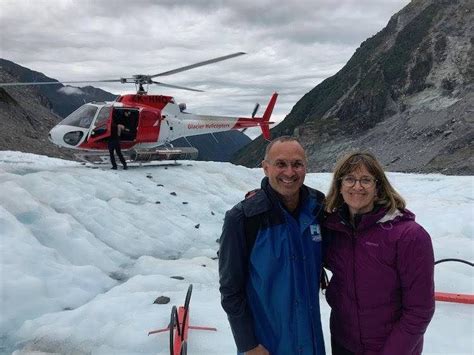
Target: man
<point>114,142</point>
<point>270,259</point>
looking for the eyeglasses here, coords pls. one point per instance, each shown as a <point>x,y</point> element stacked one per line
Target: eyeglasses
<point>283,164</point>
<point>350,181</point>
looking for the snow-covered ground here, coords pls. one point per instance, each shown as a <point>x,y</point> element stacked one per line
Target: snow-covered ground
<point>85,252</point>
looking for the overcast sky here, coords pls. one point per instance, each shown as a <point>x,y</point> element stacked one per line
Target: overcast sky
<point>291,45</point>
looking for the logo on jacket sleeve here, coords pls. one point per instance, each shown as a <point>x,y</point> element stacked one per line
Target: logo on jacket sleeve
<point>315,232</point>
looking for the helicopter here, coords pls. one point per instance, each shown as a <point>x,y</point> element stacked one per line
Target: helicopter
<point>151,121</point>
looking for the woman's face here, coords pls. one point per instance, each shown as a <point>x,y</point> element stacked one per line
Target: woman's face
<point>361,196</point>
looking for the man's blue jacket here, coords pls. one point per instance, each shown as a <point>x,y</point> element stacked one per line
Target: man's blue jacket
<point>270,283</point>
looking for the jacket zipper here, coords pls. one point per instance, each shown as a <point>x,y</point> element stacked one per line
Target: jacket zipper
<point>354,245</point>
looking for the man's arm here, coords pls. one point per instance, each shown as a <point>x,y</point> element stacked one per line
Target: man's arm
<point>120,128</point>
<point>416,268</point>
<point>233,274</point>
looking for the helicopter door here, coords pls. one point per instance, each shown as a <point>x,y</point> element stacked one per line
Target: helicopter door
<point>99,127</point>
<point>148,126</point>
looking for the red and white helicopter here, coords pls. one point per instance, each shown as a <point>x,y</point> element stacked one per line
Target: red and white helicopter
<point>151,121</point>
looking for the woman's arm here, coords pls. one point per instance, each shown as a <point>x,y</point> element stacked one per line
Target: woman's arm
<point>415,264</point>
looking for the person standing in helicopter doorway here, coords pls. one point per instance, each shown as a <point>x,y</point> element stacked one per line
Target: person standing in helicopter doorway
<point>114,141</point>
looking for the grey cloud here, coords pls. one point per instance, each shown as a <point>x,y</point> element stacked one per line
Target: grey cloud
<point>291,47</point>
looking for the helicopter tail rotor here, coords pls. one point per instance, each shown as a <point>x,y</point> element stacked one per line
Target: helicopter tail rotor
<point>254,112</point>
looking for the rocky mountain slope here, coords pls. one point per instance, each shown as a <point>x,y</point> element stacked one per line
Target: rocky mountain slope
<point>406,95</point>
<point>62,99</point>
<point>27,113</point>
<point>25,120</point>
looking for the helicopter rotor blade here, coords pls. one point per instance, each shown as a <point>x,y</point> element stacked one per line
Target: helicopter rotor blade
<point>136,79</point>
<point>176,86</point>
<point>59,82</point>
<point>200,64</point>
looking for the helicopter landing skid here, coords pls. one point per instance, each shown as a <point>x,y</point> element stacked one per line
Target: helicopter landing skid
<point>98,157</point>
<point>164,153</point>
<point>141,155</point>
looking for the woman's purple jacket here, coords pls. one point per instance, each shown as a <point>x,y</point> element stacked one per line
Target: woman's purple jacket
<point>382,289</point>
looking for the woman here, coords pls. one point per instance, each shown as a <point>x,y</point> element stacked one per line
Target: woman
<point>381,292</point>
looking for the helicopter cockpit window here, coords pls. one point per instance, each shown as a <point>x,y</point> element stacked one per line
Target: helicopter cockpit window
<point>103,116</point>
<point>82,117</point>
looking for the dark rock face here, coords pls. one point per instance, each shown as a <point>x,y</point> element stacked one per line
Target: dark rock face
<point>406,95</point>
<point>25,120</point>
<point>27,113</point>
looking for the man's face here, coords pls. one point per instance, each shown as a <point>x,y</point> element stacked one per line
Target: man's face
<point>285,168</point>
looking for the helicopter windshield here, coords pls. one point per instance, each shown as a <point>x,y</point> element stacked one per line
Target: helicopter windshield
<point>82,117</point>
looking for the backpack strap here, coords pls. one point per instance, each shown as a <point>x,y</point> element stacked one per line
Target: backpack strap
<point>251,225</point>
<point>253,208</point>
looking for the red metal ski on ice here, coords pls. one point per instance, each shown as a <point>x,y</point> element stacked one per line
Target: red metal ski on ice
<point>179,326</point>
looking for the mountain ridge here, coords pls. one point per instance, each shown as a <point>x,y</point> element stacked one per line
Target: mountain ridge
<point>410,83</point>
